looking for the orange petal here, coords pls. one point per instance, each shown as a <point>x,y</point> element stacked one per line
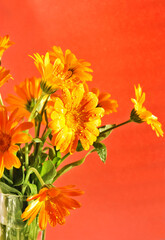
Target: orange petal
<point>21,138</point>
<point>43,218</point>
<point>1,165</point>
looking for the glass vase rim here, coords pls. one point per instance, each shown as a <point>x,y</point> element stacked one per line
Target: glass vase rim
<point>13,195</point>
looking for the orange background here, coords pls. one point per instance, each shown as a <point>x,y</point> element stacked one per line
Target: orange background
<point>124,40</point>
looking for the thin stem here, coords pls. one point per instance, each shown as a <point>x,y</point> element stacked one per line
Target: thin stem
<point>11,174</point>
<point>34,170</point>
<point>43,234</point>
<point>121,124</point>
<point>116,126</point>
<point>26,155</point>
<point>64,157</point>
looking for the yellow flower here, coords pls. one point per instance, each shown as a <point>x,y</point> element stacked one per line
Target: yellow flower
<point>109,105</point>
<point>4,75</point>
<point>28,93</point>
<point>75,116</point>
<point>10,135</point>
<point>77,70</point>
<point>61,72</point>
<point>5,43</point>
<point>51,74</point>
<point>140,114</point>
<point>52,204</point>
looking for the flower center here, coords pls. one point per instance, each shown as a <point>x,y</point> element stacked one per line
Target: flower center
<point>74,119</point>
<point>5,142</point>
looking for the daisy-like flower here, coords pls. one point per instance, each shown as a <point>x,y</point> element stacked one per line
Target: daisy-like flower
<point>28,93</point>
<point>4,75</point>
<point>51,74</point>
<point>109,105</point>
<point>10,135</point>
<point>5,43</point>
<point>75,116</point>
<point>77,70</point>
<point>59,71</point>
<point>140,114</point>
<point>52,204</point>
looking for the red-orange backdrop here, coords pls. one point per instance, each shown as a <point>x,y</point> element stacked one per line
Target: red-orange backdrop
<point>124,40</point>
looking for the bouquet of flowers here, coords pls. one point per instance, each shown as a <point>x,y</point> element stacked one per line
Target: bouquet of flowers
<point>49,119</point>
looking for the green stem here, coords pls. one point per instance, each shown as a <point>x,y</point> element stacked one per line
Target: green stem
<point>64,157</point>
<point>26,155</point>
<point>119,125</point>
<point>43,234</point>
<point>34,170</point>
<point>32,115</point>
<point>11,174</point>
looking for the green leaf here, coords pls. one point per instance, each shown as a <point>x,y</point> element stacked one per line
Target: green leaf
<point>104,132</point>
<point>7,189</point>
<point>56,161</point>
<point>101,149</point>
<point>48,171</point>
<point>37,140</point>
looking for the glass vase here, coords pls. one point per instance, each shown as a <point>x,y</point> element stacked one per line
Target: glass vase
<point>12,227</point>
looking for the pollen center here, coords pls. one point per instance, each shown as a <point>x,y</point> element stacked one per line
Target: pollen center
<point>73,119</point>
<point>5,142</point>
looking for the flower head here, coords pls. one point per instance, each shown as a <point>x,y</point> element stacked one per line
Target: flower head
<point>5,43</point>
<point>28,93</point>
<point>77,70</point>
<point>58,71</point>
<point>109,105</point>
<point>75,116</point>
<point>10,135</point>
<point>140,114</point>
<point>52,204</point>
<point>4,75</point>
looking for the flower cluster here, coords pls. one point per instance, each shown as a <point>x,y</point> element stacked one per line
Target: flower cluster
<point>66,117</point>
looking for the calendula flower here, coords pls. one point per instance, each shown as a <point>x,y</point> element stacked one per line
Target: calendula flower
<point>60,71</point>
<point>5,43</point>
<point>109,105</point>
<point>77,70</point>
<point>10,135</point>
<point>140,114</point>
<point>28,93</point>
<point>51,74</point>
<point>52,204</point>
<point>4,75</point>
<point>75,117</point>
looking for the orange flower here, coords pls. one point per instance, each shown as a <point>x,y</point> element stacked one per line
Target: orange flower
<point>75,116</point>
<point>109,105</point>
<point>4,75</point>
<point>53,203</point>
<point>141,114</point>
<point>77,70</point>
<point>28,93</point>
<point>51,73</point>
<point>60,71</point>
<point>5,43</point>
<point>11,134</point>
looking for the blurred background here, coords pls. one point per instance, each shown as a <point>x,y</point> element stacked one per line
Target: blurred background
<point>124,41</point>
